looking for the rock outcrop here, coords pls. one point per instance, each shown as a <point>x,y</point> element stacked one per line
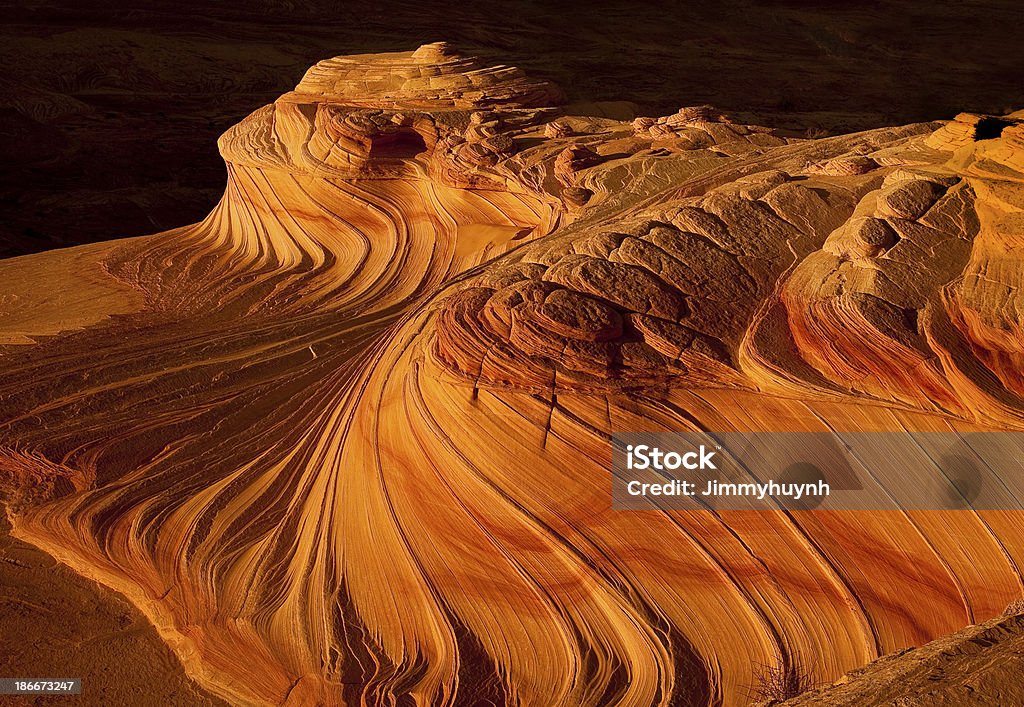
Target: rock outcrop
<point>978,665</point>
<point>346,440</point>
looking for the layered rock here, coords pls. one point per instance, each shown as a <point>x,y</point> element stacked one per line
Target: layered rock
<point>346,440</point>
<point>702,127</point>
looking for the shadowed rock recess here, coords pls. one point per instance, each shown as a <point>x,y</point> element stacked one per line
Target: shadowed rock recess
<point>346,441</point>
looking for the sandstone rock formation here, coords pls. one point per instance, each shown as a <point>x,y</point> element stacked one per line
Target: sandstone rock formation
<point>346,440</point>
<point>978,665</point>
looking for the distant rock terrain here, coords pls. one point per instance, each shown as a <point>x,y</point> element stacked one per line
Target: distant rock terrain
<point>109,114</point>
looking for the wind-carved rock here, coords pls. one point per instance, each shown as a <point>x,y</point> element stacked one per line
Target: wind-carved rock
<point>705,127</point>
<point>847,165</point>
<point>573,160</point>
<point>346,441</point>
<point>557,129</point>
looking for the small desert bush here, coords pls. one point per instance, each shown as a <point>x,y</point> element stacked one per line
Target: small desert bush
<point>785,680</point>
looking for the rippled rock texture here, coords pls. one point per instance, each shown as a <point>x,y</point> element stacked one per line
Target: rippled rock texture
<point>346,441</point>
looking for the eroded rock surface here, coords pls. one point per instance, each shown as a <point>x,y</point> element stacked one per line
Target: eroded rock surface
<point>978,665</point>
<point>346,440</point>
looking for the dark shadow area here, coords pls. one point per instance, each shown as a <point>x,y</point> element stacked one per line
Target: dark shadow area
<point>110,113</point>
<point>990,128</point>
<point>399,145</point>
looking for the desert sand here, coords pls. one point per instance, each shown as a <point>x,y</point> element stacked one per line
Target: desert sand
<point>57,623</point>
<point>346,440</point>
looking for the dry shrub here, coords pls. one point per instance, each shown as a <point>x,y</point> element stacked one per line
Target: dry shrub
<point>783,681</point>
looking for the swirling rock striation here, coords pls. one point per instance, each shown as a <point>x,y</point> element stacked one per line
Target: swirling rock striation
<point>346,440</point>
